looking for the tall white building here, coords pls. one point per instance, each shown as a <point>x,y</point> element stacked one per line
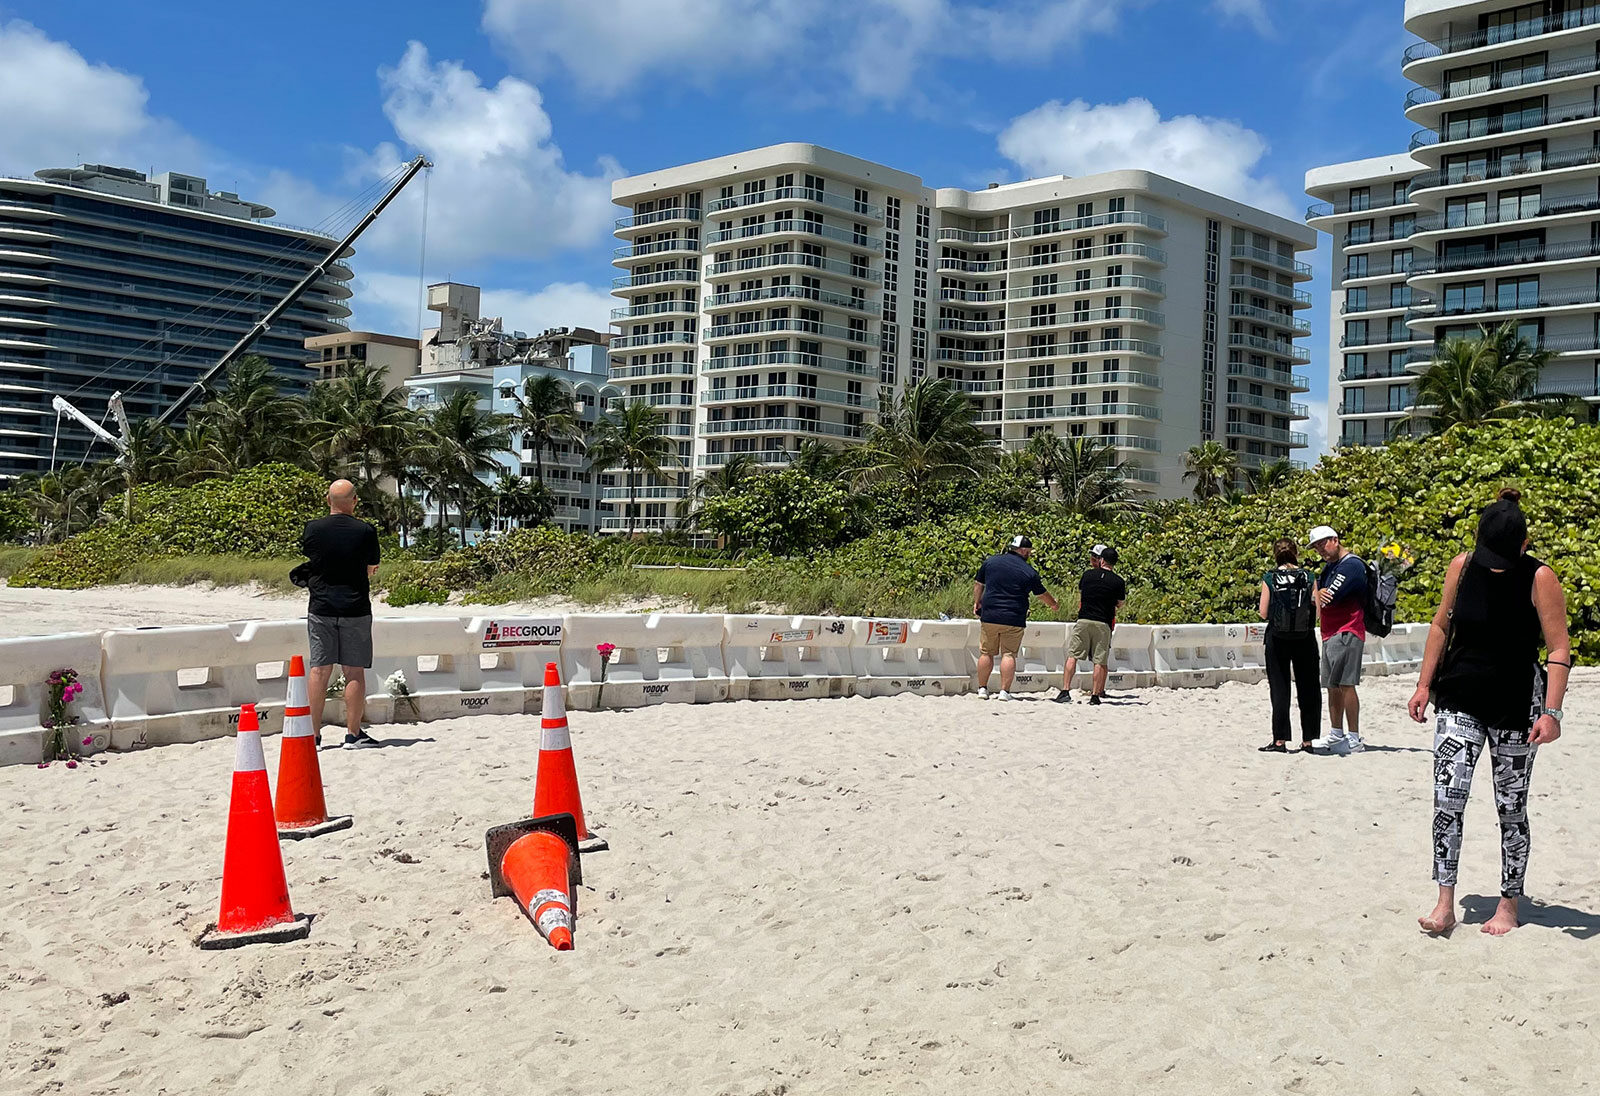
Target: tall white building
<point>1492,215</point>
<point>779,295</point>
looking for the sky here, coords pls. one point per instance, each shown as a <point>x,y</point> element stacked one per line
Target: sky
<point>529,108</point>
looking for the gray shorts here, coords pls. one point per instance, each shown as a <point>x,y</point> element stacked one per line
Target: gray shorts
<point>340,641</point>
<point>1341,660</point>
<point>1091,642</point>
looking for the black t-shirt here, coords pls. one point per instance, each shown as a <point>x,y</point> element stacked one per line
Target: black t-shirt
<point>340,548</point>
<point>1007,580</point>
<point>1099,591</point>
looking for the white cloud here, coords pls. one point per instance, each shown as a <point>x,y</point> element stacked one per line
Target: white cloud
<point>387,302</point>
<point>1076,138</point>
<point>60,110</point>
<point>1252,11</point>
<point>877,46</point>
<point>1316,429</point>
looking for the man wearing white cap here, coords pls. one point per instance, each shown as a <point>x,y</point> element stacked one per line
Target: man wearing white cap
<point>1000,592</point>
<point>1341,597</point>
<point>1101,593</point>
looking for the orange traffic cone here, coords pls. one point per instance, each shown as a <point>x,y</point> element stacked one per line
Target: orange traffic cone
<point>255,895</point>
<point>300,808</point>
<point>536,862</point>
<point>555,788</point>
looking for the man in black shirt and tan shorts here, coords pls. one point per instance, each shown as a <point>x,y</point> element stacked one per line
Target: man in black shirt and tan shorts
<point>1101,593</point>
<point>342,551</point>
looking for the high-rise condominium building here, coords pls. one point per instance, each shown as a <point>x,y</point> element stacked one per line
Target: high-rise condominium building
<point>1492,216</point>
<point>113,281</point>
<point>782,295</point>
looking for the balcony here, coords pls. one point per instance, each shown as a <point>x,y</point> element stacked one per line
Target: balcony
<point>657,247</point>
<point>778,259</point>
<point>637,524</point>
<point>1510,167</point>
<point>972,296</point>
<point>1555,114</point>
<point>1375,374</point>
<point>764,456</point>
<point>796,226</point>
<point>970,357</point>
<point>1267,316</point>
<point>1055,257</point>
<point>1271,289</point>
<point>654,399</point>
<point>1085,411</point>
<point>1404,300</point>
<point>1101,220</point>
<point>793,292</point>
<point>1270,346</point>
<point>1292,438</point>
<point>972,327</point>
<point>659,216</point>
<point>1141,347</point>
<point>640,494</point>
<point>1356,272</point>
<point>1268,403</point>
<point>1504,257</point>
<point>1516,304</point>
<point>834,332</point>
<point>656,369</point>
<point>973,388</point>
<point>804,195</point>
<point>787,357</point>
<point>655,277</point>
<point>1271,258</point>
<point>1256,460</point>
<point>1380,338</point>
<point>952,264</point>
<point>1084,380</point>
<point>1092,315</point>
<point>1054,288</point>
<point>1296,382</point>
<point>1348,409</point>
<point>780,426</point>
<point>1490,215</point>
<point>1379,234</point>
<point>654,308</point>
<point>654,338</point>
<point>1501,81</point>
<point>1318,210</point>
<point>808,393</point>
<point>1586,16</point>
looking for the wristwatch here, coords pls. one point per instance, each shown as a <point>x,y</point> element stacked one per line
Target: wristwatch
<point>1553,713</point>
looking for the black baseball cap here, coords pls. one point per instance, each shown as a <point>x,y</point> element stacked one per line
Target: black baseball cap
<point>1502,531</point>
<point>1105,552</point>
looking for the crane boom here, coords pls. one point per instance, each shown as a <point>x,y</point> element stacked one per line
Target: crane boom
<point>189,394</point>
<point>62,407</point>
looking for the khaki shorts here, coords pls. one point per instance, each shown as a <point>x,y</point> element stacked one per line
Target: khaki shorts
<point>1091,642</point>
<point>1000,639</point>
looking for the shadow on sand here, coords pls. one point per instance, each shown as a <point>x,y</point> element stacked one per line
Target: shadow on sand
<point>1478,908</point>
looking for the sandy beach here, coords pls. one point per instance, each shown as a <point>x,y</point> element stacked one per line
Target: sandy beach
<point>899,895</point>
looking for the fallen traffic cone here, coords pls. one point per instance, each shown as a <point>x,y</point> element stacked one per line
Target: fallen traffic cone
<point>300,807</point>
<point>536,862</point>
<point>255,895</point>
<point>555,787</point>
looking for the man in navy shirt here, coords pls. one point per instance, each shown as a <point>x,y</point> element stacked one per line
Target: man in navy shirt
<point>1000,592</point>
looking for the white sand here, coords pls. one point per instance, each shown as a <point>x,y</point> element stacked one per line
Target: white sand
<point>860,896</point>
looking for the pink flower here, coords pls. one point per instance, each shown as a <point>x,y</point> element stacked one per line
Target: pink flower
<point>89,741</point>
<point>72,764</point>
<point>605,649</point>
<point>42,765</point>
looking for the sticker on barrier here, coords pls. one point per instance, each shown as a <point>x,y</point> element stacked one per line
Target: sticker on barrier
<point>508,660</point>
<point>1244,652</point>
<point>938,658</point>
<point>788,658</point>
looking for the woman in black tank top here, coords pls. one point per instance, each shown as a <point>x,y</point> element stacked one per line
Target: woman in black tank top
<point>1481,672</point>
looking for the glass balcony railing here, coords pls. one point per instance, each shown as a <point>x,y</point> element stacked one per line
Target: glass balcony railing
<point>1268,316</point>
<point>1092,315</point>
<point>1362,205</point>
<point>1133,379</point>
<point>1141,347</point>
<point>1501,81</point>
<point>804,194</point>
<point>723,362</point>
<point>1085,411</point>
<point>1270,346</point>
<point>1269,403</point>
<point>1273,289</point>
<point>1497,214</point>
<point>762,456</point>
<point>1271,258</point>
<point>1554,114</point>
<point>1267,433</point>
<point>655,277</point>
<point>1485,259</point>
<point>807,393</point>
<point>804,327</point>
<point>797,225</point>
<point>793,292</point>
<point>1508,167</point>
<point>653,308</point>
<point>1586,16</point>
<point>780,426</point>
<point>655,247</point>
<point>1297,382</point>
<point>776,259</point>
<point>1057,288</point>
<point>653,338</point>
<point>676,213</point>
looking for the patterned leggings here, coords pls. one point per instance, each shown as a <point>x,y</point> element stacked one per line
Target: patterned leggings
<point>1457,742</point>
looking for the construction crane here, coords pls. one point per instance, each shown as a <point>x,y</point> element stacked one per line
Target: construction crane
<point>190,394</point>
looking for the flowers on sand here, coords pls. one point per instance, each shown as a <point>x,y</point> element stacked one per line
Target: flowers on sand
<point>396,686</point>
<point>65,688</point>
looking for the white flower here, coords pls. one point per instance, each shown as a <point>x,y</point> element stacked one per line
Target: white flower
<point>395,684</point>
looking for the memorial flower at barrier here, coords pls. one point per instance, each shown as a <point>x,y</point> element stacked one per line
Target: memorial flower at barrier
<point>396,686</point>
<point>605,650</point>
<point>65,688</point>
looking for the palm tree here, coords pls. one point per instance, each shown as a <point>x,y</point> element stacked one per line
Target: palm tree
<point>1212,466</point>
<point>190,454</point>
<point>142,460</point>
<point>254,422</point>
<point>722,480</point>
<point>817,459</point>
<point>359,419</point>
<point>1270,475</point>
<point>463,442</point>
<point>926,436</point>
<point>545,418</point>
<point>1045,450</point>
<point>1492,376</point>
<point>631,438</point>
<point>1094,483</point>
<point>515,499</point>
<point>64,501</point>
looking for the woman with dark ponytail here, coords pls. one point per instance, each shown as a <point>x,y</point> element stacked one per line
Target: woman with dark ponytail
<point>1482,673</point>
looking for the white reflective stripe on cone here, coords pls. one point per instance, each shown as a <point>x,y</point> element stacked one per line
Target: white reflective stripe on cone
<point>555,702</point>
<point>248,756</point>
<point>298,697</point>
<point>298,726</point>
<point>558,737</point>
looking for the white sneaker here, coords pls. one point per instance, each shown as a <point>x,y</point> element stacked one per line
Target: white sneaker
<point>1337,742</point>
<point>1353,744</point>
<point>983,692</point>
<point>1005,695</point>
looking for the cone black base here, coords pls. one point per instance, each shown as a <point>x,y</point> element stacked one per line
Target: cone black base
<point>298,929</point>
<point>332,825</point>
<point>501,838</point>
<point>593,843</point>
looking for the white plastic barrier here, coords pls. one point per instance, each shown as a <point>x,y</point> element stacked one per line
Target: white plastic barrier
<point>259,671</point>
<point>1132,657</point>
<point>1402,649</point>
<point>1190,656</point>
<point>926,657</point>
<point>1244,652</point>
<point>511,653</point>
<point>181,684</point>
<point>782,658</point>
<point>440,658</point>
<point>25,666</point>
<point>1043,657</point>
<point>659,659</point>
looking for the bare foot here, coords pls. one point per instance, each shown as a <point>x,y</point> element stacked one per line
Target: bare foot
<point>1441,920</point>
<point>1504,920</point>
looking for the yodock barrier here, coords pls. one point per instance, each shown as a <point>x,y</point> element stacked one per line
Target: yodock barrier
<point>1244,652</point>
<point>1190,656</point>
<point>1040,662</point>
<point>784,658</point>
<point>511,653</point>
<point>1403,648</point>
<point>926,657</point>
<point>25,664</point>
<point>165,685</point>
<point>664,658</point>
<point>1132,658</point>
<point>439,657</point>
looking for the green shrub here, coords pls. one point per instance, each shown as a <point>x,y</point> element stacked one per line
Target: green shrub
<point>409,593</point>
<point>15,520</point>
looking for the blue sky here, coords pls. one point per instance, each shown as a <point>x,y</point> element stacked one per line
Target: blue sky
<point>530,107</point>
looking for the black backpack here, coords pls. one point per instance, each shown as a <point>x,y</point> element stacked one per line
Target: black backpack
<point>1383,591</point>
<point>1290,611</point>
